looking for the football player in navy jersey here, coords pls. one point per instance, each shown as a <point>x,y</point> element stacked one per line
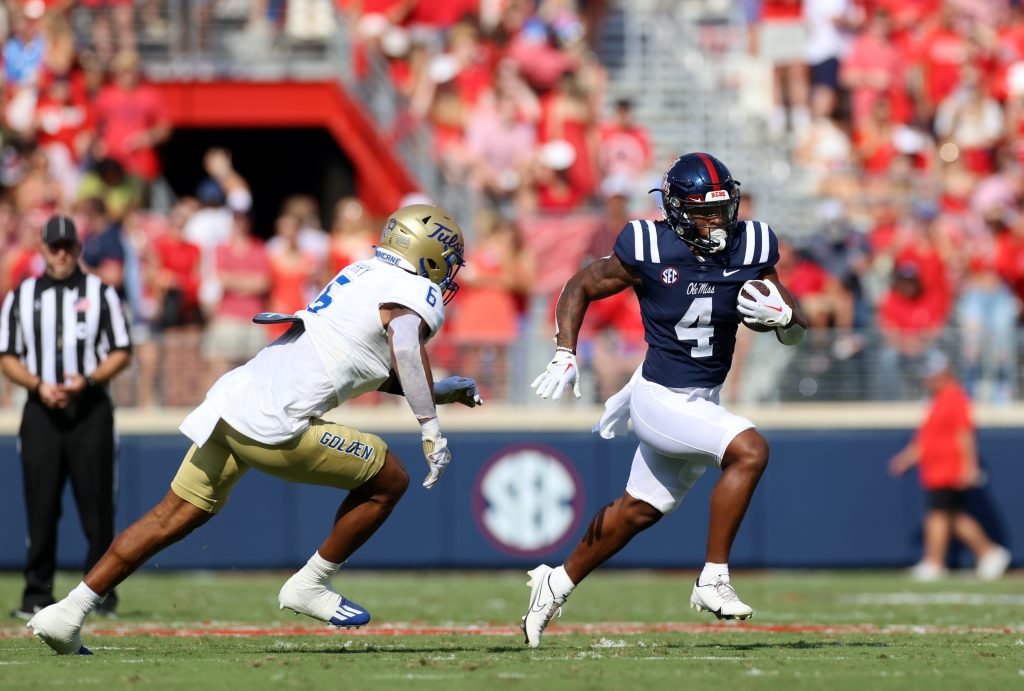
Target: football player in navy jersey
<point>688,271</point>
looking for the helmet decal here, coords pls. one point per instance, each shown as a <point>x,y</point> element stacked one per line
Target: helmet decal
<point>712,173</point>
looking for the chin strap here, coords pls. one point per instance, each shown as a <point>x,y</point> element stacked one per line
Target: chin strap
<point>716,241</point>
<point>720,237</point>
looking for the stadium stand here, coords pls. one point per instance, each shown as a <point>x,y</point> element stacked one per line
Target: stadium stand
<point>549,119</point>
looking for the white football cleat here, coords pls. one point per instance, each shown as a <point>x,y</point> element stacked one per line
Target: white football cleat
<point>543,605</point>
<point>927,572</point>
<point>719,598</point>
<point>321,602</point>
<point>994,563</point>
<point>60,627</point>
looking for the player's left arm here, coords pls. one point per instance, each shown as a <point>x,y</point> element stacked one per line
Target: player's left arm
<point>410,365</point>
<point>792,333</point>
<point>407,335</point>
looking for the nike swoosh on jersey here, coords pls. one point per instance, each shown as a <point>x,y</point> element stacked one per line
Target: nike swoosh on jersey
<point>730,273</point>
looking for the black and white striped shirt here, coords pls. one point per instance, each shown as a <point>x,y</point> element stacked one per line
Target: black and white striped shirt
<point>59,328</point>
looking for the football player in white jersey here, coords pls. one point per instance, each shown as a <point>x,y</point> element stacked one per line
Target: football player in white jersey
<point>366,331</point>
<point>697,274</point>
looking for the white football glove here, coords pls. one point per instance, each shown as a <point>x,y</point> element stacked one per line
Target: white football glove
<point>435,450</point>
<point>560,372</point>
<point>457,390</point>
<point>769,310</point>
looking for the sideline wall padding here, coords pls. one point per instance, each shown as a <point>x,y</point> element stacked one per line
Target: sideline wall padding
<point>511,500</point>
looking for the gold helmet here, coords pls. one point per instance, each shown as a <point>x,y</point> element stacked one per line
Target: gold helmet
<point>427,241</point>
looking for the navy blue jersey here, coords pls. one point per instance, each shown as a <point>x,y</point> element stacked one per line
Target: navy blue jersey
<point>688,303</point>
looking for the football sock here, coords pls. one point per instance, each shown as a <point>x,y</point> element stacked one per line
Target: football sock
<point>84,598</point>
<point>319,569</point>
<point>710,571</point>
<point>561,584</point>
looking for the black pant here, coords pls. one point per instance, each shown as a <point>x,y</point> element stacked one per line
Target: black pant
<point>56,445</point>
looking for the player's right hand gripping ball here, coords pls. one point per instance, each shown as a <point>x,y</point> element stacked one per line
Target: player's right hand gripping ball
<point>761,304</point>
<point>560,372</point>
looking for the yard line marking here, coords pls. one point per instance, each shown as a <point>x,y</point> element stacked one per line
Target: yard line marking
<point>221,630</point>
<point>948,598</point>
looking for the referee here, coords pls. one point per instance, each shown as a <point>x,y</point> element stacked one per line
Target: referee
<point>64,336</point>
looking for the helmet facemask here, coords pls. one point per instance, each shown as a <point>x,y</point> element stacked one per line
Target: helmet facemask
<point>453,262</point>
<point>694,220</point>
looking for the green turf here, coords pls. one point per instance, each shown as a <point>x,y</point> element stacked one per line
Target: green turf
<point>943,654</point>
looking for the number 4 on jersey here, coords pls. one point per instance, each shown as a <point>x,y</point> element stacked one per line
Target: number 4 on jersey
<point>696,326</point>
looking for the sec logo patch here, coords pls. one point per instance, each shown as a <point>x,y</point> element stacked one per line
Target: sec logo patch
<point>669,276</point>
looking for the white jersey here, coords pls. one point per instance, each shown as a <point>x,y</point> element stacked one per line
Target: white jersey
<point>343,352</point>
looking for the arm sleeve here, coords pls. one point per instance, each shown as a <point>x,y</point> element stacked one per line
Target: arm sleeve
<point>405,342</point>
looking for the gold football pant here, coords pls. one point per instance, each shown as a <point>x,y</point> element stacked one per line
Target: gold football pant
<point>325,454</point>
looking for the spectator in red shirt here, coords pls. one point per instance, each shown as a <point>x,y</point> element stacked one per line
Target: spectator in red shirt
<point>177,274</point>
<point>825,300</point>
<point>625,147</point>
<point>555,188</point>
<point>351,238</point>
<point>612,340</point>
<point>946,453</point>
<point>293,271</point>
<point>501,148</point>
<point>486,319</point>
<point>63,121</point>
<point>910,324</point>
<point>567,114</point>
<point>244,275</point>
<point>987,313</point>
<point>874,139</point>
<point>176,294</point>
<point>131,119</point>
<point>940,54</point>
<point>873,68</point>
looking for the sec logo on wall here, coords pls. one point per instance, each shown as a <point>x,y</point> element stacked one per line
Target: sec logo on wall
<point>528,500</point>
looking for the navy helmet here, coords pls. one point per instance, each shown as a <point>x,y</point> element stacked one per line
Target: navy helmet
<point>695,189</point>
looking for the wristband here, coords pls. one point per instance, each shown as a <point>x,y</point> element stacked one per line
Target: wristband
<point>430,429</point>
<point>35,389</point>
<point>571,351</point>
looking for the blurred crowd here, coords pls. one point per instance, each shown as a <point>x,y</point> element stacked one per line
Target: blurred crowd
<point>903,117</point>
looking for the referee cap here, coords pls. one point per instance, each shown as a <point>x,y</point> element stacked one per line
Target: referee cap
<point>59,229</point>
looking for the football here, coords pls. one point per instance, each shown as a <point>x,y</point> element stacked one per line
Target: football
<point>748,288</point>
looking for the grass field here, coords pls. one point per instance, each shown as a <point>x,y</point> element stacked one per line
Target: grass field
<point>620,630</point>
